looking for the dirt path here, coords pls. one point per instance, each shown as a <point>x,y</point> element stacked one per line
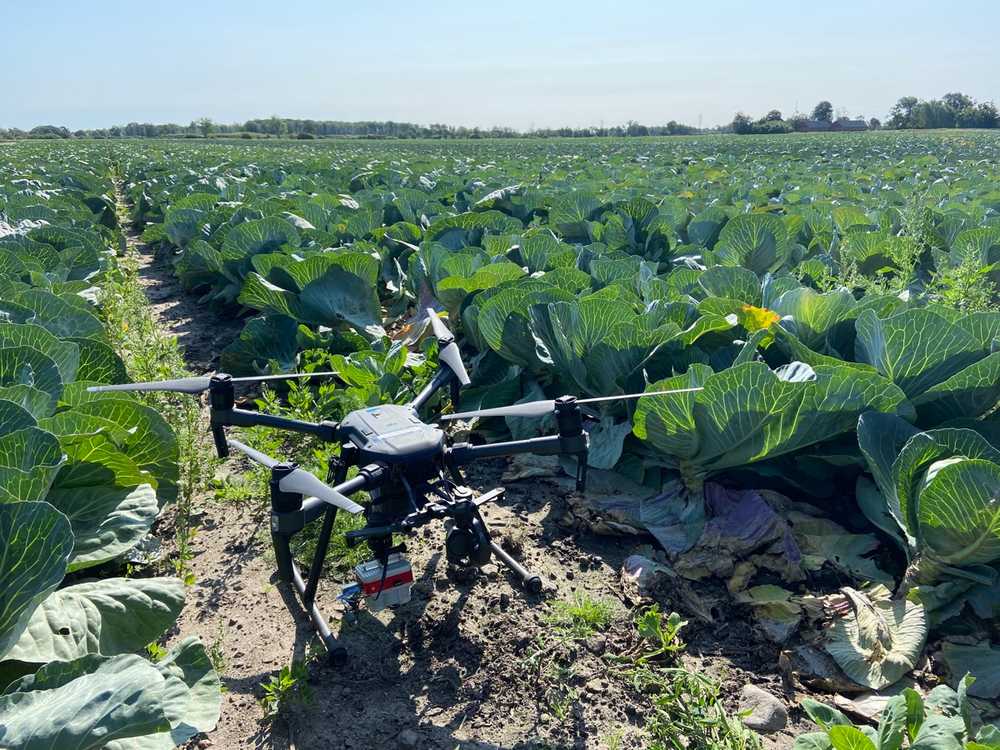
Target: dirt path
<point>470,662</point>
<point>199,329</point>
<point>232,606</point>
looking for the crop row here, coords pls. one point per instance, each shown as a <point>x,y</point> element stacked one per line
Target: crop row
<point>83,478</point>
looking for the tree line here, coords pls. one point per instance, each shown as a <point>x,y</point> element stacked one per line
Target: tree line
<point>953,110</point>
<point>284,127</point>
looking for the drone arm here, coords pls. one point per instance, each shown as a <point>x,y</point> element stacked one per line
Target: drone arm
<point>367,478</point>
<point>465,453</point>
<point>326,431</point>
<point>441,378</point>
<point>571,440</point>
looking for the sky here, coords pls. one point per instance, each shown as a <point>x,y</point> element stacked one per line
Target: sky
<point>521,64</point>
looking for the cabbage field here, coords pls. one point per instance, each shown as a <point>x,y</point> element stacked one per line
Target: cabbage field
<point>835,296</point>
<point>83,478</point>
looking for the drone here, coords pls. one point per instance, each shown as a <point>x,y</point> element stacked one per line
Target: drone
<point>411,470</point>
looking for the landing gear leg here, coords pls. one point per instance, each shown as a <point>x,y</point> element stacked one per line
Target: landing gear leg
<point>531,582</point>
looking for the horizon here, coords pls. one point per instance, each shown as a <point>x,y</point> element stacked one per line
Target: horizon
<point>532,68</point>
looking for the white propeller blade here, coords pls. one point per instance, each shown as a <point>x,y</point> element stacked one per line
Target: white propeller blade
<point>197,385</point>
<point>300,481</point>
<point>448,350</point>
<point>637,395</point>
<point>308,485</point>
<point>529,409</point>
<point>182,385</point>
<point>541,408</point>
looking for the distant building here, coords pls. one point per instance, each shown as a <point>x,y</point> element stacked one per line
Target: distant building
<point>840,124</point>
<point>845,123</point>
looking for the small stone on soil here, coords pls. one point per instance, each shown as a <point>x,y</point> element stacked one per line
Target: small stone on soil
<point>597,644</point>
<point>767,713</point>
<point>408,739</point>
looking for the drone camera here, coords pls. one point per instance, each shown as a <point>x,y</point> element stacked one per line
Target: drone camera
<point>468,544</point>
<point>385,585</point>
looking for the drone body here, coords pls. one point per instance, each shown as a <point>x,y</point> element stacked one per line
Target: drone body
<point>393,435</point>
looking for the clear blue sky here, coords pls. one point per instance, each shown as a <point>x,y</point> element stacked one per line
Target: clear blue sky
<point>104,62</point>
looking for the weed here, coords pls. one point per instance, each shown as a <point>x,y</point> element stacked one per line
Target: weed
<point>315,651</point>
<point>580,617</point>
<point>613,740</point>
<point>577,618</point>
<point>967,287</point>
<point>216,651</point>
<point>687,713</point>
<point>150,354</point>
<point>155,651</point>
<point>660,634</point>
<point>282,690</point>
<point>559,695</point>
<point>560,698</point>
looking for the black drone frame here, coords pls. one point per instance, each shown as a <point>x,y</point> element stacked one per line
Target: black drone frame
<point>402,498</point>
<point>411,470</point>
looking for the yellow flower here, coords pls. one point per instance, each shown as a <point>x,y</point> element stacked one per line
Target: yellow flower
<point>756,318</point>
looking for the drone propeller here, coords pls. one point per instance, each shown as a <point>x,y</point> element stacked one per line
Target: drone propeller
<point>300,481</point>
<point>196,385</point>
<point>447,348</point>
<point>541,408</point>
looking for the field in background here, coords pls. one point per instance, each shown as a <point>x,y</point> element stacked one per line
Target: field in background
<point>837,481</point>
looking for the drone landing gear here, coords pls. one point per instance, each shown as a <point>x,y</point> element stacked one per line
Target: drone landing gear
<point>336,654</point>
<point>531,582</point>
<point>286,519</point>
<point>469,541</point>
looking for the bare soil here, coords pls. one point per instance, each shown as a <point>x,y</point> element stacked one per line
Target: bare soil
<point>199,328</point>
<point>458,666</point>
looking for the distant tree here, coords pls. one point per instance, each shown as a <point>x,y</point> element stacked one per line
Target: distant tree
<point>276,126</point>
<point>987,115</point>
<point>933,114</point>
<point>634,128</point>
<point>798,122</point>
<point>205,126</point>
<point>823,112</point>
<point>957,101</point>
<point>765,126</point>
<point>983,115</point>
<point>742,124</point>
<point>773,116</point>
<point>874,123</point>
<point>901,115</point>
<point>49,131</point>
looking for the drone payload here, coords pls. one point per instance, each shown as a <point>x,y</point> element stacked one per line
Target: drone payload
<point>381,585</point>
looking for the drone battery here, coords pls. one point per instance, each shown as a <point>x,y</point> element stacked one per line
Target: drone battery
<point>387,586</point>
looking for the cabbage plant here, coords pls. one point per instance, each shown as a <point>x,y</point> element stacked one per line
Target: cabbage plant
<point>748,413</point>
<point>938,493</point>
